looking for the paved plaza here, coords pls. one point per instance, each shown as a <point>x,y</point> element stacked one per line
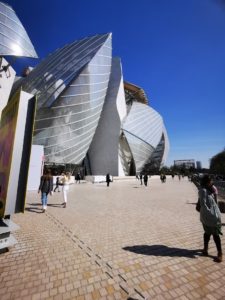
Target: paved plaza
<point>126,241</point>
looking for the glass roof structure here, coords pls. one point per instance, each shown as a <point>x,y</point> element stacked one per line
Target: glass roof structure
<point>143,129</point>
<point>87,115</point>
<point>71,86</point>
<point>14,40</point>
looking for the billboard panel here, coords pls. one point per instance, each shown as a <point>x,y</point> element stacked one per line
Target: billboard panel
<point>7,134</point>
<point>16,128</point>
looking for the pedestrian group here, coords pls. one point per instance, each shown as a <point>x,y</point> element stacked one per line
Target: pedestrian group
<point>210,215</point>
<point>46,187</point>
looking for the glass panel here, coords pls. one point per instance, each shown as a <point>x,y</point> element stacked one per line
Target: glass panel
<point>72,88</point>
<point>13,35</point>
<point>141,151</point>
<point>145,123</point>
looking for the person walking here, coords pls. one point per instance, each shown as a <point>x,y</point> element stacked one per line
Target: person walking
<point>65,183</point>
<point>57,184</point>
<point>45,187</point>
<point>77,178</point>
<point>210,216</point>
<point>145,179</point>
<point>141,177</point>
<point>108,180</point>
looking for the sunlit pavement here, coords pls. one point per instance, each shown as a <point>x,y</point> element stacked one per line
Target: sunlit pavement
<point>125,241</point>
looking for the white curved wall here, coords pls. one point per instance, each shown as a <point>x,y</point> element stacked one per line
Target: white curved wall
<point>103,152</point>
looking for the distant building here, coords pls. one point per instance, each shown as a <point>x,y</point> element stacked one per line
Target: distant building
<point>198,165</point>
<point>185,163</point>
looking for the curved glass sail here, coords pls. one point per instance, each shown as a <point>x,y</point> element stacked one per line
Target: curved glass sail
<point>13,37</point>
<point>71,86</point>
<point>143,129</point>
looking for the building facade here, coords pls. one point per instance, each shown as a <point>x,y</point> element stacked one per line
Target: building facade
<point>88,116</point>
<point>185,163</point>
<point>198,165</point>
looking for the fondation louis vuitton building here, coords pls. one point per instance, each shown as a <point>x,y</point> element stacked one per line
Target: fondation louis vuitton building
<point>87,115</point>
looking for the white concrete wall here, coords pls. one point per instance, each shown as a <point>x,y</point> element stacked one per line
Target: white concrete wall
<point>36,167</point>
<point>97,179</point>
<point>122,111</point>
<point>103,152</point>
<point>120,100</point>
<point>120,167</point>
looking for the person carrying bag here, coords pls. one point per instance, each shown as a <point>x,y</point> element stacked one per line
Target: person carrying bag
<point>45,187</point>
<point>210,216</point>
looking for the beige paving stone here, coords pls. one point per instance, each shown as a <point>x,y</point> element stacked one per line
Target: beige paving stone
<point>143,239</point>
<point>36,296</point>
<point>53,291</point>
<point>58,297</point>
<point>167,296</point>
<point>110,289</point>
<point>80,298</point>
<point>183,298</point>
<point>67,296</point>
<point>88,297</point>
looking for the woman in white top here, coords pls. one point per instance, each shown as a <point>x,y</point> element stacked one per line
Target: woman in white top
<point>65,182</point>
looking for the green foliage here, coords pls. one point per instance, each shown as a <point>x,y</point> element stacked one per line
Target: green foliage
<point>165,170</point>
<point>217,163</point>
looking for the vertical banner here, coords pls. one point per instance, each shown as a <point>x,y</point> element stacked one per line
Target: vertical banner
<point>7,134</point>
<point>16,129</point>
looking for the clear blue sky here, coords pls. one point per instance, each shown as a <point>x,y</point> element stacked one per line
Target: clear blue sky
<point>173,49</point>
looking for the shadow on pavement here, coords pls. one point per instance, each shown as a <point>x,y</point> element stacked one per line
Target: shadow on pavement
<point>49,204</point>
<point>34,209</point>
<point>56,205</point>
<point>161,250</point>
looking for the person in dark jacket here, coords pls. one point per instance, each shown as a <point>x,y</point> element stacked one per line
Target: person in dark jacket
<point>77,178</point>
<point>145,179</point>
<point>45,187</point>
<point>57,184</point>
<point>108,180</point>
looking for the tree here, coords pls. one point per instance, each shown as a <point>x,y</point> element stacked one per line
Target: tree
<point>217,163</point>
<point>165,170</point>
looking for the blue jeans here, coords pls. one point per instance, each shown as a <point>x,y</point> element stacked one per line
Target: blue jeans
<point>44,200</point>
